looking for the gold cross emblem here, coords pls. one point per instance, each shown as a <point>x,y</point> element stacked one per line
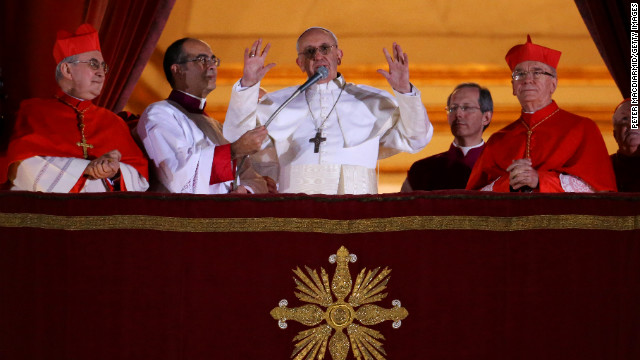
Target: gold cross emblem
<point>84,143</point>
<point>340,314</point>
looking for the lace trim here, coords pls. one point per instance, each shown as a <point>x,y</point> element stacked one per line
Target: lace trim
<point>190,187</point>
<point>489,187</point>
<point>572,183</point>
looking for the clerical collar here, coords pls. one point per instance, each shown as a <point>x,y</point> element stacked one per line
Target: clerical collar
<point>191,103</point>
<point>80,104</point>
<point>465,149</point>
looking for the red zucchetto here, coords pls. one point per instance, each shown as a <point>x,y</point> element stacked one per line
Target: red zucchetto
<point>68,44</point>
<point>532,52</point>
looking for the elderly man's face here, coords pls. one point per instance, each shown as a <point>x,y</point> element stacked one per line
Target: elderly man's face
<point>317,39</point>
<point>534,94</point>
<point>197,75</point>
<point>86,83</point>
<point>467,126</point>
<point>628,140</point>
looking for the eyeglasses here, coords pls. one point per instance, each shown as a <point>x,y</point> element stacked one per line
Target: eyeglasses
<point>464,108</point>
<point>94,64</point>
<point>310,52</point>
<point>521,75</point>
<point>204,60</point>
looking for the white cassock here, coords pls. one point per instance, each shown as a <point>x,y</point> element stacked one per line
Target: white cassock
<point>60,175</point>
<point>181,146</point>
<point>367,124</point>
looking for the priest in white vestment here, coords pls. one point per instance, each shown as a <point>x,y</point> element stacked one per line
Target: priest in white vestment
<point>329,138</point>
<point>188,151</point>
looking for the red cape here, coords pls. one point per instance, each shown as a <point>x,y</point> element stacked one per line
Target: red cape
<point>48,127</point>
<point>564,143</point>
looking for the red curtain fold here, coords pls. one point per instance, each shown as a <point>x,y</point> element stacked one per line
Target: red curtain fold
<point>129,33</point>
<point>609,22</point>
<point>28,31</point>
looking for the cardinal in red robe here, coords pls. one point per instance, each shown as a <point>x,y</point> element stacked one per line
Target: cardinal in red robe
<point>547,149</point>
<point>66,143</point>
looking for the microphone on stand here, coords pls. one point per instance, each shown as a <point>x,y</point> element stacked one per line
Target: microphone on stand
<point>321,73</point>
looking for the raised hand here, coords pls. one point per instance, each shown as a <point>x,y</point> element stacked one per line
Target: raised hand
<point>254,68</point>
<point>106,166</point>
<point>398,74</point>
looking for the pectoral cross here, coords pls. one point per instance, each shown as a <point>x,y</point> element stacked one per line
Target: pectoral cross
<point>317,140</point>
<point>80,115</point>
<point>84,146</point>
<point>84,143</point>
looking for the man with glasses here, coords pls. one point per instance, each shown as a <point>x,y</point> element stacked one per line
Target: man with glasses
<point>626,161</point>
<point>67,144</point>
<point>547,149</point>
<point>329,138</point>
<point>469,110</point>
<point>186,146</point>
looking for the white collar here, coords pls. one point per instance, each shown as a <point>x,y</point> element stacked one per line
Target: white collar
<point>203,101</point>
<point>465,149</point>
<point>334,84</point>
<point>77,98</point>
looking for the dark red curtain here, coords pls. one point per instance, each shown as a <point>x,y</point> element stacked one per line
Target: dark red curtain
<point>609,23</point>
<point>128,34</point>
<point>28,31</point>
<point>129,31</point>
<point>176,276</point>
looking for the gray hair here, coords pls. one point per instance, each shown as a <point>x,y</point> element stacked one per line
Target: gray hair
<point>315,28</point>
<point>68,59</point>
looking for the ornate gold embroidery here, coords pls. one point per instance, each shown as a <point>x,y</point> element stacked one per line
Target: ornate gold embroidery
<point>341,313</point>
<point>326,226</point>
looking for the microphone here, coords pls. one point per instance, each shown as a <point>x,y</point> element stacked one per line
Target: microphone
<point>321,73</point>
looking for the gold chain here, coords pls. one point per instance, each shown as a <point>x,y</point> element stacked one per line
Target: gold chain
<point>80,114</point>
<point>527,153</point>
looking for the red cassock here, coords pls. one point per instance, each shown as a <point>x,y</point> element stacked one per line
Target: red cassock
<point>561,143</point>
<point>48,127</point>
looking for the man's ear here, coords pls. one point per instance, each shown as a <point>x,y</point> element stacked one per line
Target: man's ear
<point>555,85</point>
<point>177,73</point>
<point>300,65</point>
<point>65,70</point>
<point>486,118</point>
<point>176,70</point>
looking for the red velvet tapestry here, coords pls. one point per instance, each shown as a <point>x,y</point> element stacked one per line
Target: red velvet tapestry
<point>482,276</point>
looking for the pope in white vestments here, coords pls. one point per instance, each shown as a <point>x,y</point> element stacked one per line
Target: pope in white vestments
<point>329,138</point>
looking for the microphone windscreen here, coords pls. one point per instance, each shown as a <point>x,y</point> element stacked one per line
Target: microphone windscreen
<point>323,71</point>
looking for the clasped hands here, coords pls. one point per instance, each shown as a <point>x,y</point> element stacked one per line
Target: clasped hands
<point>104,167</point>
<point>522,173</point>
